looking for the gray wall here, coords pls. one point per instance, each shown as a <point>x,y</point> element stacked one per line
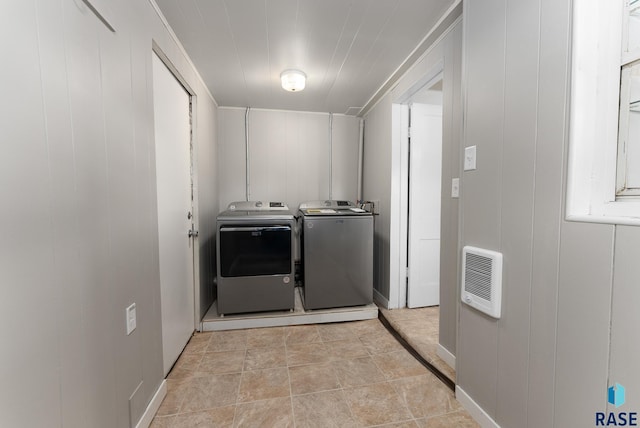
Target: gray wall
<point>289,156</point>
<point>206,182</point>
<point>568,308</point>
<point>376,186</point>
<point>78,221</point>
<point>381,177</point>
<point>515,81</point>
<point>451,168</point>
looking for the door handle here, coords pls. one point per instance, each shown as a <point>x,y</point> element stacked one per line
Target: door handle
<point>193,233</point>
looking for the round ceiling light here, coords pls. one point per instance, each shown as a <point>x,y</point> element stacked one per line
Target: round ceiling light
<point>293,80</point>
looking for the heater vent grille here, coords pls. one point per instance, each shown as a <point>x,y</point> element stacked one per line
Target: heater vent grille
<point>482,280</point>
<point>478,276</point>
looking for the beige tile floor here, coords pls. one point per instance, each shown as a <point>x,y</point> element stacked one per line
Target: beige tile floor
<point>419,327</point>
<point>352,374</point>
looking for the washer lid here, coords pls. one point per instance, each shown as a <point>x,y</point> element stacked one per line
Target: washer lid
<point>247,210</point>
<point>350,211</point>
<point>335,204</point>
<point>257,206</point>
<point>330,208</point>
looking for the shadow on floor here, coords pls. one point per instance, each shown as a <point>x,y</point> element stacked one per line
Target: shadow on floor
<point>419,328</point>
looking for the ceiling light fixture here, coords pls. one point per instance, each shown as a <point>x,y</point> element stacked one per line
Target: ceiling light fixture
<point>293,80</point>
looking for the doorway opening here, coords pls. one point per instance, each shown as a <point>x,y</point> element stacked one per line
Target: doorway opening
<point>424,195</point>
<point>419,114</point>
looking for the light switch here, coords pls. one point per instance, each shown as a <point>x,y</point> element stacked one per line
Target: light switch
<point>455,187</point>
<point>470,158</point>
<point>131,318</point>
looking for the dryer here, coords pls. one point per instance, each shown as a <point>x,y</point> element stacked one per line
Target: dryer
<point>256,265</point>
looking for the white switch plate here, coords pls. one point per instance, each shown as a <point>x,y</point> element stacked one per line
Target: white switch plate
<point>131,318</point>
<point>455,187</point>
<point>470,158</point>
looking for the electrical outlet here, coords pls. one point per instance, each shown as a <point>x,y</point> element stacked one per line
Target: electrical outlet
<point>455,187</point>
<point>131,318</point>
<point>470,158</point>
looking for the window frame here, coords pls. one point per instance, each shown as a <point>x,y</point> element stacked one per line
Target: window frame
<point>594,116</point>
<point>630,59</point>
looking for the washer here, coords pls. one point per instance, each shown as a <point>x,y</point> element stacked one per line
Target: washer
<point>256,265</point>
<point>337,254</point>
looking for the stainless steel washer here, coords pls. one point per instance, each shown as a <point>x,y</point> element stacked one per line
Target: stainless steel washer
<point>256,265</point>
<point>337,254</point>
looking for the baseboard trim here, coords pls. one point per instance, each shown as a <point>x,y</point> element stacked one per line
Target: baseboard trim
<point>153,406</point>
<point>446,356</point>
<point>476,412</point>
<point>380,300</point>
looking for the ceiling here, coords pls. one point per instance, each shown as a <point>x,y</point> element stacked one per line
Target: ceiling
<point>347,48</point>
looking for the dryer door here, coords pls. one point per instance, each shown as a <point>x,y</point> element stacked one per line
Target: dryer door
<point>255,250</point>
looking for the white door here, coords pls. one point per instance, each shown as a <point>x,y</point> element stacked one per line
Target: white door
<point>173,174</point>
<point>425,170</point>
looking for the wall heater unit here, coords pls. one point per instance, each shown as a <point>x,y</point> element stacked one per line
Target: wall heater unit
<point>482,280</point>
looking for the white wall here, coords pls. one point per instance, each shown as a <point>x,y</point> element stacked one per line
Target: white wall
<point>78,222</point>
<point>289,156</point>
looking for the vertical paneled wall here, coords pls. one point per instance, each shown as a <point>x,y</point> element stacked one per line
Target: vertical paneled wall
<point>376,186</point>
<point>517,202</point>
<point>78,220</point>
<point>344,157</point>
<point>548,192</point>
<point>450,210</point>
<point>206,160</point>
<point>502,49</point>
<point>291,157</point>
<point>484,110</point>
<point>567,323</point>
<point>625,317</point>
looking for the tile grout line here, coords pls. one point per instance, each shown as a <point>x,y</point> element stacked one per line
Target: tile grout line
<point>390,381</point>
<point>370,353</point>
<point>342,387</point>
<point>286,362</point>
<point>187,379</point>
<point>235,410</point>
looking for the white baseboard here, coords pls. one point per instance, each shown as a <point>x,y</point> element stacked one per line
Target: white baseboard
<point>380,299</point>
<point>446,356</point>
<point>476,412</point>
<point>153,406</point>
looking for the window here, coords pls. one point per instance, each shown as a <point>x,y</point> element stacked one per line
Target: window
<point>628,168</point>
<point>604,135</point>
